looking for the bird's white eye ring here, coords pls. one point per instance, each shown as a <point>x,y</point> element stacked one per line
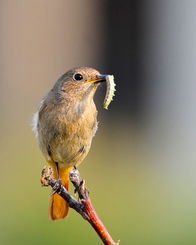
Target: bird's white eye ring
<point>77,77</point>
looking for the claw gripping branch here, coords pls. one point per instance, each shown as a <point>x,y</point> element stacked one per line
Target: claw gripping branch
<point>84,207</point>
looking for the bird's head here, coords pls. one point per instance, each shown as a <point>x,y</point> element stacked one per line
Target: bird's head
<point>78,83</point>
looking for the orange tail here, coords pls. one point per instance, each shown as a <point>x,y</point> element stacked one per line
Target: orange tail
<point>58,206</point>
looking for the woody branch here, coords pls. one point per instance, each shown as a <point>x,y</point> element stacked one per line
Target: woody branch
<point>84,207</point>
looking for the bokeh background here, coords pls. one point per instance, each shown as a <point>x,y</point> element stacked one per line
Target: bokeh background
<point>141,169</point>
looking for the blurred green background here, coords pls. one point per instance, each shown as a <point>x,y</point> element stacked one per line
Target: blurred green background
<point>141,169</point>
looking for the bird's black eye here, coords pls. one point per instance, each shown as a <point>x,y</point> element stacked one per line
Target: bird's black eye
<point>78,77</point>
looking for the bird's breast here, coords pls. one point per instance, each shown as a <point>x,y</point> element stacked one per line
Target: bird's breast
<point>66,133</point>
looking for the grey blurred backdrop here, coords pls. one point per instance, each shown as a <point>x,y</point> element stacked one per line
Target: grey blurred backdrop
<point>141,170</point>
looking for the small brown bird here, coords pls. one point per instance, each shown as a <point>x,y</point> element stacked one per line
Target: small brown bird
<point>65,125</point>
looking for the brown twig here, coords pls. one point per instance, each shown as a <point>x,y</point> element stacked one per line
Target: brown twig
<point>84,207</point>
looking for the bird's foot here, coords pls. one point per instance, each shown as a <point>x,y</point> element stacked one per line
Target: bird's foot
<point>56,187</point>
<point>46,175</point>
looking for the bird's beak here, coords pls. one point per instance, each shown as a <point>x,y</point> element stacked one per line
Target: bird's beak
<point>100,78</point>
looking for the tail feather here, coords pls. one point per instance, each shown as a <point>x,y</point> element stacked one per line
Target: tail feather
<point>58,206</point>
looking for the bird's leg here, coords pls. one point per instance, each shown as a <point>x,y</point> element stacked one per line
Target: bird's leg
<point>75,191</point>
<point>58,182</point>
<point>80,183</point>
<point>81,180</point>
<point>57,170</point>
